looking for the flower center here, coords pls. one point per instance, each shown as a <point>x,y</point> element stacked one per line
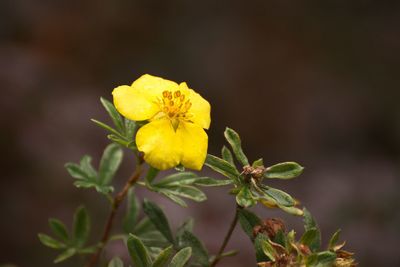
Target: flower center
<point>175,106</point>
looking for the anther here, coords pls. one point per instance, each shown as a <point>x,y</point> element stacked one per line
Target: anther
<point>177,94</point>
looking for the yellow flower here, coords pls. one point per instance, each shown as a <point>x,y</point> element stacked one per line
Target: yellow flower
<point>177,118</point>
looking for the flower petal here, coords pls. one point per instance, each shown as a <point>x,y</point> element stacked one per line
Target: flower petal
<point>133,104</point>
<point>153,86</point>
<point>200,109</point>
<point>160,144</point>
<point>141,100</point>
<point>194,143</point>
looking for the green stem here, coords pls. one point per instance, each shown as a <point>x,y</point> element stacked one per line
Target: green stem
<point>227,237</point>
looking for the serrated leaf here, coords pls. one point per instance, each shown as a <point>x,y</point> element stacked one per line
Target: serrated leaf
<point>223,167</point>
<point>59,229</point>
<point>334,239</point>
<point>65,255</point>
<point>115,117</point>
<point>176,179</point>
<point>50,242</point>
<point>311,238</point>
<point>233,139</point>
<point>285,170</point>
<point>245,198</point>
<point>227,155</point>
<point>81,226</point>
<point>282,198</point>
<point>180,258</point>
<point>200,254</point>
<point>207,181</point>
<point>116,262</point>
<point>132,212</point>
<point>139,253</point>
<point>158,218</point>
<point>248,220</point>
<point>109,163</point>
<point>163,257</point>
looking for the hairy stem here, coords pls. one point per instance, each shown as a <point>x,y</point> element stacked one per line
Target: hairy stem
<point>114,208</point>
<point>227,237</point>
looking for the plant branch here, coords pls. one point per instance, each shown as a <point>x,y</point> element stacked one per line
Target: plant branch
<point>115,205</point>
<point>226,239</point>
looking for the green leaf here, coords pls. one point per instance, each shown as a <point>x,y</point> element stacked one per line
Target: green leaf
<point>163,257</point>
<point>172,197</point>
<point>227,155</point>
<point>81,226</point>
<point>180,178</point>
<point>245,198</point>
<point>50,242</point>
<point>116,262</point>
<point>321,259</point>
<point>116,118</point>
<point>311,225</point>
<point>334,239</point>
<point>258,245</point>
<point>132,212</point>
<point>248,220</point>
<point>281,198</point>
<point>139,254</point>
<point>75,171</point>
<point>109,163</point>
<point>180,258</point>
<point>65,255</point>
<point>285,170</point>
<point>130,128</point>
<point>86,166</point>
<point>120,140</point>
<point>59,229</point>
<point>200,254</point>
<point>292,210</point>
<point>158,218</point>
<point>311,238</point>
<point>258,163</point>
<point>151,174</point>
<point>186,226</point>
<point>104,189</point>
<point>268,250</point>
<point>186,191</point>
<point>106,127</point>
<point>223,167</point>
<point>309,221</point>
<point>207,181</point>
<point>234,140</point>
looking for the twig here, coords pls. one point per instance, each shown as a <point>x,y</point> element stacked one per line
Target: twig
<point>227,237</point>
<point>115,205</point>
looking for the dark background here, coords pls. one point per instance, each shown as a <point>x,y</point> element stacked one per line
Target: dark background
<point>315,82</point>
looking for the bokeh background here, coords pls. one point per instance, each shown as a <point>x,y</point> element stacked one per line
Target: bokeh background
<point>314,81</point>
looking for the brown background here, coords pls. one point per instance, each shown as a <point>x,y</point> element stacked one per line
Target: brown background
<point>312,81</point>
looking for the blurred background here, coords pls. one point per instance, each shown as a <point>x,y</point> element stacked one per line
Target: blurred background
<point>315,82</point>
